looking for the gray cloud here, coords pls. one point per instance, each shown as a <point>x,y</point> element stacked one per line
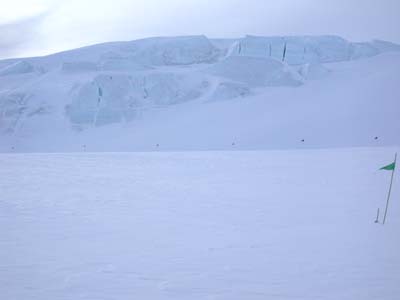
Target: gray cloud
<point>17,37</point>
<point>75,23</point>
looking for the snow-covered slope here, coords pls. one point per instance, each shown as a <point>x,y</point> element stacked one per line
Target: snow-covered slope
<point>195,93</point>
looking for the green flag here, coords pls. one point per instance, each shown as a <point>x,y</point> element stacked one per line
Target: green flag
<point>390,167</point>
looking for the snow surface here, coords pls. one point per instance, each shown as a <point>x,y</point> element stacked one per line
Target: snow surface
<point>199,225</point>
<point>195,93</point>
<point>158,224</point>
<point>19,67</point>
<point>256,71</point>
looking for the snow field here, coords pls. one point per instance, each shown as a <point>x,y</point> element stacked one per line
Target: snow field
<point>199,225</point>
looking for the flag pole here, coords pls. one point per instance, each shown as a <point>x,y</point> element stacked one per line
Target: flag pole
<point>377,217</point>
<point>390,190</point>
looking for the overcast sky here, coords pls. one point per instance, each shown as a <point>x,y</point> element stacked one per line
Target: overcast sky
<point>38,27</point>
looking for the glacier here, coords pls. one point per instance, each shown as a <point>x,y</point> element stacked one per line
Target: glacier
<point>133,91</point>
